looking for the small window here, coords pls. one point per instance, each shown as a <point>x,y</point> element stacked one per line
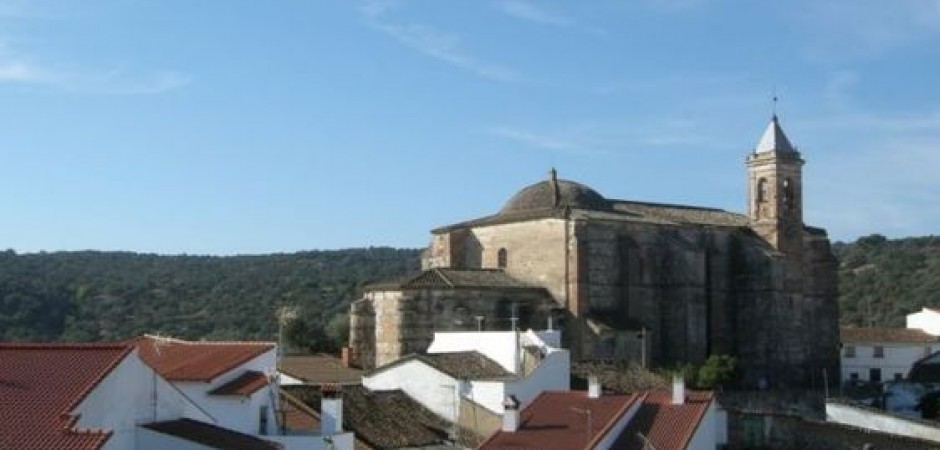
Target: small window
<point>849,351</point>
<point>853,376</point>
<point>502,258</point>
<point>878,352</point>
<point>874,375</point>
<point>898,376</point>
<point>263,419</point>
<point>927,350</point>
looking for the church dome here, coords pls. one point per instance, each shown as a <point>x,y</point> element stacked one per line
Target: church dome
<point>554,193</point>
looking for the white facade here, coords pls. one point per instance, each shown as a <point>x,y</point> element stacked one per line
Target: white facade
<point>441,393</point>
<point>927,319</point>
<point>870,419</point>
<point>132,394</point>
<point>428,386</point>
<point>881,361</point>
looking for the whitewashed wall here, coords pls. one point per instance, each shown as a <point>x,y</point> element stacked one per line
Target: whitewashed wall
<point>874,420</point>
<point>237,413</point>
<point>927,320</point>
<point>707,433</point>
<point>426,385</point>
<point>611,436</point>
<point>144,397</point>
<point>898,358</point>
<point>497,345</point>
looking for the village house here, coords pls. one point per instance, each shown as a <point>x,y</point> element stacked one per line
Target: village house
<point>882,354</point>
<point>150,393</point>
<point>569,420</point>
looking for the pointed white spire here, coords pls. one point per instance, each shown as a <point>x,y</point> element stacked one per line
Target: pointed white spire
<point>774,140</point>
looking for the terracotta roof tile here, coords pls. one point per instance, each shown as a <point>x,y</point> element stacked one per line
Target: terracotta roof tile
<point>41,385</point>
<point>666,426</point>
<point>246,384</point>
<point>211,435</point>
<point>554,421</point>
<point>179,360</point>
<point>852,335</point>
<point>317,369</point>
<point>382,419</point>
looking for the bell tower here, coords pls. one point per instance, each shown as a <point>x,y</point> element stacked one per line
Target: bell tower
<point>775,195</point>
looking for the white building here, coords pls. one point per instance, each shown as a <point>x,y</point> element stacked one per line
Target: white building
<point>927,319</point>
<point>882,354</point>
<point>108,396</point>
<point>481,368</point>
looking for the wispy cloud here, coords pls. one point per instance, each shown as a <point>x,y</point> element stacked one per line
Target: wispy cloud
<point>16,69</point>
<point>533,13</point>
<point>446,47</point>
<point>442,46</point>
<point>598,138</point>
<point>847,29</point>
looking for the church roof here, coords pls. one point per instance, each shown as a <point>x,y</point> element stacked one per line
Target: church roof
<point>774,139</point>
<point>446,278</point>
<point>555,193</point>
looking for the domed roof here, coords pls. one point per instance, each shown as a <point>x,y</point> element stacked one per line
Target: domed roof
<point>555,193</point>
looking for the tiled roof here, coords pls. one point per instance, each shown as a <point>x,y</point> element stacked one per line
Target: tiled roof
<point>246,384</point>
<point>41,385</point>
<point>682,214</point>
<point>298,417</point>
<point>666,426</point>
<point>774,139</point>
<point>211,435</point>
<point>470,365</point>
<point>318,369</point>
<point>559,420</point>
<point>382,419</point>
<point>442,278</point>
<point>621,211</point>
<point>852,335</point>
<point>179,360</point>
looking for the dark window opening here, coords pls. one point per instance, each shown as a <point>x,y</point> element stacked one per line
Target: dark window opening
<point>874,375</point>
<point>502,258</point>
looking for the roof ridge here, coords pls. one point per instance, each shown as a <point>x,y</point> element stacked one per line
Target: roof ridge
<point>64,345</point>
<point>444,277</point>
<point>174,340</point>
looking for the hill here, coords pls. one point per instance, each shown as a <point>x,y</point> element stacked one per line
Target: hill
<point>91,296</point>
<point>882,280</point>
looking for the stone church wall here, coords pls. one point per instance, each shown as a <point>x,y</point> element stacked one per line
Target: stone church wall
<point>396,323</point>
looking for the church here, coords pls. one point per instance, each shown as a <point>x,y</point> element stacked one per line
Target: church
<point>655,284</point>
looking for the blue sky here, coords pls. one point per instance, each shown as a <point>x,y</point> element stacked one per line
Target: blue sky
<point>224,127</point>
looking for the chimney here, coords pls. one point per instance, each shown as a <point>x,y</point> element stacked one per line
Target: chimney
<point>678,390</point>
<point>594,387</point>
<point>510,414</point>
<point>331,409</point>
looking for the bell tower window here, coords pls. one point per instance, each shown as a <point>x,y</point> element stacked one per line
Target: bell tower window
<point>502,258</point>
<point>789,202</point>
<point>761,200</point>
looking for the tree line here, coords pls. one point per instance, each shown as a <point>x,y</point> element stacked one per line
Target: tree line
<point>108,296</point>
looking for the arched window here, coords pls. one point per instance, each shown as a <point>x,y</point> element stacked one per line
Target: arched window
<point>502,258</point>
<point>788,201</point>
<point>761,197</point>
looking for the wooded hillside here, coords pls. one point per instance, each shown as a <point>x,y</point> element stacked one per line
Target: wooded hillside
<point>90,296</point>
<point>883,280</point>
